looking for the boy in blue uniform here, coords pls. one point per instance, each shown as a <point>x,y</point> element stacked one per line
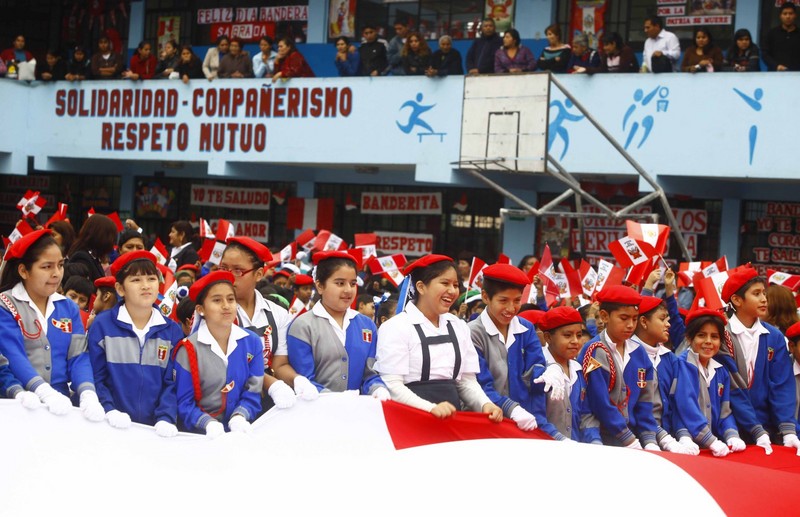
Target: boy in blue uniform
<point>754,354</point>
<point>707,383</point>
<point>563,333</point>
<point>130,346</point>
<point>509,351</point>
<point>620,385</point>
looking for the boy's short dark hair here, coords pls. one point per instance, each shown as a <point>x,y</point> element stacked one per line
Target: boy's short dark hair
<point>788,5</point>
<point>364,299</point>
<point>528,307</point>
<point>80,285</point>
<point>492,287</point>
<point>610,307</point>
<point>185,308</point>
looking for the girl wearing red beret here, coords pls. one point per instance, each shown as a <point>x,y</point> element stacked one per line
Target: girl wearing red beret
<point>43,336</point>
<point>425,354</point>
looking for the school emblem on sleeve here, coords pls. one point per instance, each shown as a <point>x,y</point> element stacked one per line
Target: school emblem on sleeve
<point>228,387</point>
<point>770,353</point>
<point>249,357</point>
<point>593,365</point>
<point>366,335</point>
<point>642,381</point>
<point>65,324</point>
<point>162,352</point>
<point>720,388</point>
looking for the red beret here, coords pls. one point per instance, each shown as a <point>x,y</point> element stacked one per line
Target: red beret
<point>202,285</point>
<point>129,257</point>
<point>560,316</point>
<point>190,267</point>
<point>18,248</point>
<point>703,311</point>
<point>506,273</point>
<point>532,315</point>
<point>793,332</point>
<point>619,294</point>
<point>106,281</point>
<point>325,255</point>
<point>261,251</point>
<point>649,303</point>
<point>425,261</point>
<point>736,279</point>
<point>303,280</point>
<point>283,272</point>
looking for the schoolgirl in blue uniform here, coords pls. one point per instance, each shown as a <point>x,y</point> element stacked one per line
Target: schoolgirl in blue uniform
<point>245,259</point>
<point>509,350</point>
<point>754,354</point>
<point>702,393</point>
<point>793,337</point>
<point>43,337</point>
<point>652,331</point>
<point>333,345</point>
<point>219,369</point>
<point>425,354</point>
<point>130,346</point>
<point>620,384</point>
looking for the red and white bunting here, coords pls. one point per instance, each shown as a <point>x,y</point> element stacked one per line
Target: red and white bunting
<point>309,213</point>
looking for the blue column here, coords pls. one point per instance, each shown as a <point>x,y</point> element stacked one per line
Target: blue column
<point>136,24</point>
<point>729,230</point>
<point>519,234</point>
<point>317,21</point>
<point>748,16</point>
<point>127,190</point>
<point>532,16</point>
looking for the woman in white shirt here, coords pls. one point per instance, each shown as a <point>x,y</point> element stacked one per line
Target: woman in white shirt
<point>425,354</point>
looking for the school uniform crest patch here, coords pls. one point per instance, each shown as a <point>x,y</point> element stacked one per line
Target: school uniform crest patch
<point>162,352</point>
<point>228,387</point>
<point>770,353</point>
<point>642,378</point>
<point>64,324</point>
<point>720,389</point>
<point>249,357</point>
<point>366,335</point>
<point>593,365</point>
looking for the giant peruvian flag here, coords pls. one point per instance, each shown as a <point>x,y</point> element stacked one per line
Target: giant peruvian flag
<point>309,213</point>
<point>397,443</point>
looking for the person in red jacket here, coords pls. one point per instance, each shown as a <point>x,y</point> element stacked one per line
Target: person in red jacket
<point>143,63</point>
<point>290,62</point>
<point>17,51</point>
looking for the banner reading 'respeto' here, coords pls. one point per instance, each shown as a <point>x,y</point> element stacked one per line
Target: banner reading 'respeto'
<point>414,244</point>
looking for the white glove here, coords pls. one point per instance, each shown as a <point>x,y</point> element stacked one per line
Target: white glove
<point>56,403</point>
<point>524,420</point>
<point>553,379</point>
<point>281,394</point>
<point>118,419</point>
<point>791,440</point>
<point>381,394</point>
<point>91,408</point>
<point>688,443</point>
<point>719,449</point>
<point>214,429</point>
<point>763,442</point>
<point>165,430</point>
<point>652,447</point>
<point>238,424</point>
<point>670,444</point>
<point>736,444</point>
<point>634,445</point>
<point>28,399</point>
<point>304,389</point>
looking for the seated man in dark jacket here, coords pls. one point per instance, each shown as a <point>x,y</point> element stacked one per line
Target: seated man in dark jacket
<point>480,56</point>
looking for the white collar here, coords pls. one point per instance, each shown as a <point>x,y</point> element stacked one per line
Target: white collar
<point>178,249</point>
<point>155,318</point>
<point>515,327</point>
<point>695,359</point>
<point>574,366</point>
<point>659,349</point>
<point>630,344</point>
<point>737,327</point>
<point>19,292</point>
<point>260,306</point>
<point>415,316</point>
<point>319,310</point>
<point>204,336</point>
<point>796,367</point>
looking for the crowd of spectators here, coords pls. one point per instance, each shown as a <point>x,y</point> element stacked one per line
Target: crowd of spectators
<point>408,53</point>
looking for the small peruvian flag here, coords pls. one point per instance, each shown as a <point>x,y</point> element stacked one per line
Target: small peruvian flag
<point>31,203</point>
<point>60,215</point>
<point>387,264</point>
<point>22,228</point>
<point>117,221</point>
<point>306,239</point>
<point>588,278</point>
<point>205,229</point>
<point>607,275</point>
<point>503,259</point>
<point>572,278</point>
<point>309,213</point>
<point>327,241</point>
<point>475,273</point>
<point>368,244</point>
<point>289,252</point>
<point>628,252</point>
<point>653,238</point>
<point>547,272</point>
<point>349,204</point>
<point>785,279</point>
<point>160,251</point>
